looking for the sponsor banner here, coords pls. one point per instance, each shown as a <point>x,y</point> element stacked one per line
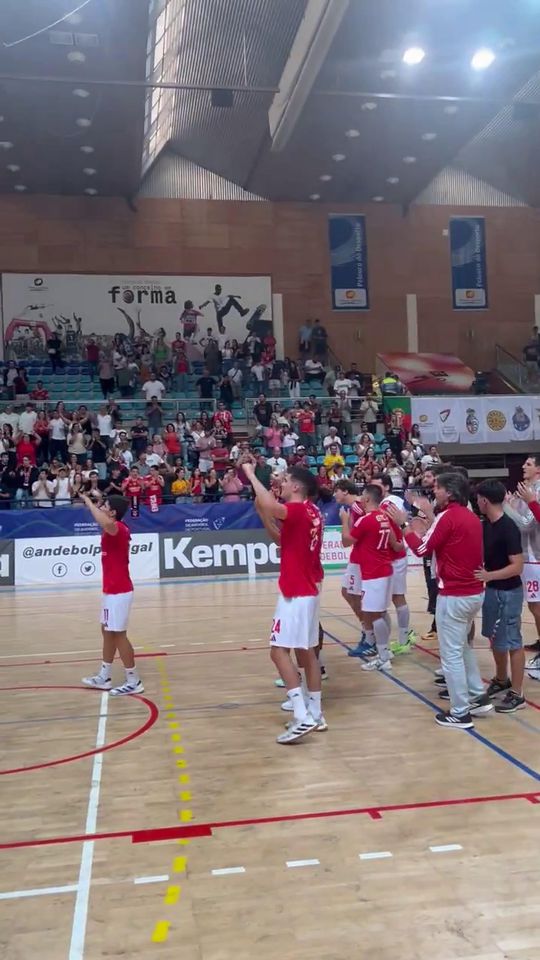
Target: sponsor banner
<point>428,372</point>
<point>207,553</point>
<point>348,261</point>
<point>76,307</point>
<point>468,263</point>
<point>472,419</point>
<point>7,563</point>
<point>334,555</point>
<point>78,560</point>
<point>424,412</point>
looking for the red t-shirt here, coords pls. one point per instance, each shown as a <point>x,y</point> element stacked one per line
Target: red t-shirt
<point>223,417</point>
<point>153,491</point>
<point>371,549</point>
<point>301,570</point>
<point>133,487</point>
<point>171,442</point>
<point>25,448</point>
<point>92,352</point>
<point>398,554</point>
<point>115,560</point>
<point>306,422</point>
<point>39,394</point>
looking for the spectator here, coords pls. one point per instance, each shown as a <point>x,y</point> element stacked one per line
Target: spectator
<point>26,448</point>
<point>154,415</point>
<point>319,339</point>
<point>97,449</point>
<point>397,475</point>
<point>153,388</point>
<point>115,484</point>
<point>106,375</point>
<point>357,383</point>
<point>153,459</point>
<point>196,485</point>
<point>263,472</point>
<point>77,443</point>
<point>272,435</point>
<point>25,476</point>
<point>342,385</point>
<point>226,395</point>
<point>204,445</point>
<point>258,376</point>
<point>58,428</point>
<point>262,411</point>
<point>43,490</point>
<point>8,444</point>
<point>531,353</point>
<point>92,487</point>
<point>332,439</point>
<point>236,377</point>
<point>430,458</point>
<point>8,482</point>
<point>408,454</point>
<point>344,405</point>
<point>415,435</point>
<point>369,409</point>
<point>153,489</point>
<point>41,429</point>
<point>333,457</point>
<point>365,443</point>
<point>139,436</point>
<point>39,394</point>
<point>205,386</point>
<point>223,419</point>
<point>54,350</point>
<point>333,418</point>
<point>105,425</point>
<point>314,370</point>
<point>132,485</point>
<point>92,358</point>
<point>27,418</point>
<point>276,463</point>
<point>323,480</point>
<point>304,337</point>
<point>183,429</point>
<point>9,376</point>
<point>306,426</point>
<point>211,486</point>
<point>390,385</point>
<point>289,440</point>
<point>180,487</point>
<point>293,378</point>
<point>171,442</point>
<point>231,485</point>
<point>8,416</point>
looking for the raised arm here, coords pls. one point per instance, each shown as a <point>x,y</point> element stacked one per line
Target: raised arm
<point>266,499</point>
<point>107,524</point>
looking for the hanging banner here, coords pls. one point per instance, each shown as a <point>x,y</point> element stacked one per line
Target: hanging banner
<point>348,259</point>
<point>477,419</point>
<point>397,412</point>
<point>468,260</point>
<point>424,413</point>
<point>508,418</point>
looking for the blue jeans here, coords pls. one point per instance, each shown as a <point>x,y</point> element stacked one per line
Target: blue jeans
<point>22,497</point>
<point>501,618</point>
<point>454,616</point>
<point>181,382</point>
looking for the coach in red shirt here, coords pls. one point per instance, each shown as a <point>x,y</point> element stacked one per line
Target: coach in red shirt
<point>455,539</point>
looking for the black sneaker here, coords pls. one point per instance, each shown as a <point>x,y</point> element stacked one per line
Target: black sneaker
<point>443,693</point>
<point>498,686</point>
<point>511,703</point>
<point>464,722</point>
<point>533,647</point>
<point>481,705</point>
<point>440,681</point>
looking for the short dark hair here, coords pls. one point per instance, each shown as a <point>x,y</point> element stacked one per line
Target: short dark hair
<point>456,487</point>
<point>387,482</point>
<point>307,480</point>
<point>119,504</point>
<point>457,468</point>
<point>492,490</point>
<point>374,492</point>
<point>347,486</point>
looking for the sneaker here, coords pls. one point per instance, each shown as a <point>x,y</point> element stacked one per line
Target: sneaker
<point>362,649</point>
<point>279,682</point>
<point>443,693</point>
<point>322,725</point>
<point>533,663</point>
<point>430,635</point>
<point>299,729</point>
<point>533,647</point>
<point>97,683</point>
<point>127,689</point>
<point>481,705</point>
<point>511,703</point>
<point>464,722</point>
<point>324,673</point>
<point>439,672</point>
<point>440,681</point>
<point>377,664</point>
<point>397,647</point>
<point>534,672</point>
<point>287,706</point>
<point>498,686</point>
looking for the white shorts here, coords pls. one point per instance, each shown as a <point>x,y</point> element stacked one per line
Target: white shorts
<point>531,582</point>
<point>399,577</point>
<point>296,623</point>
<point>376,595</point>
<point>115,609</point>
<point>351,580</point>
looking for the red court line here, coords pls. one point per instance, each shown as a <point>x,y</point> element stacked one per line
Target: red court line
<point>153,715</point>
<point>431,653</point>
<point>53,663</point>
<point>205,829</point>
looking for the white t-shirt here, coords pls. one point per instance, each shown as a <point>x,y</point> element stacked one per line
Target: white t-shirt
<point>39,495</point>
<point>329,440</point>
<point>57,428</point>
<point>11,418</point>
<point>105,426</point>
<point>289,441</point>
<point>27,420</point>
<point>153,388</point>
<point>428,461</point>
<point>278,464</point>
<point>258,371</point>
<point>154,460</point>
<point>313,366</point>
<point>61,486</point>
<point>235,375</point>
<point>127,457</point>
<point>342,384</point>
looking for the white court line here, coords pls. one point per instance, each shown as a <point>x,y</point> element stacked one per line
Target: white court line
<point>446,848</point>
<point>39,892</point>
<point>221,873</point>
<point>80,912</point>
<point>197,643</point>
<point>161,879</point>
<point>378,855</point>
<point>303,863</point>
<point>62,653</point>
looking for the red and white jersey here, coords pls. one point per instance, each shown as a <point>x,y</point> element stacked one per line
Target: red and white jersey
<point>115,560</point>
<point>301,570</point>
<point>153,492</point>
<point>133,487</point>
<point>371,549</point>
<point>397,502</point>
<point>357,511</point>
<point>455,540</point>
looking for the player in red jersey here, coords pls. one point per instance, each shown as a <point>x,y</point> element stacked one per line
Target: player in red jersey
<point>346,495</point>
<point>296,620</point>
<point>372,540</point>
<point>407,637</point>
<point>117,596</point>
<point>133,485</point>
<point>153,489</point>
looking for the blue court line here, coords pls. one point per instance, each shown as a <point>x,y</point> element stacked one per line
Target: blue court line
<point>473,733</point>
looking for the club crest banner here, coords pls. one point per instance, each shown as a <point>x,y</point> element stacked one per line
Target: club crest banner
<point>477,419</point>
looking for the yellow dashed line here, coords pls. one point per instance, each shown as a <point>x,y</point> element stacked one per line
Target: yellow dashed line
<point>185,816</point>
<point>185,795</point>
<point>184,778</point>
<point>179,865</point>
<point>172,895</point>
<point>161,931</point>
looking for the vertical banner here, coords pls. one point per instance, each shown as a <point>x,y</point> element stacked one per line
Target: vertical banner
<point>397,412</point>
<point>468,260</point>
<point>348,259</point>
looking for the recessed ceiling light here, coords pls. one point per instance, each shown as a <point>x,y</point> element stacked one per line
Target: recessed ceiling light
<point>87,149</point>
<point>377,199</point>
<point>409,159</point>
<point>369,105</point>
<point>20,187</point>
<point>388,74</point>
<point>89,171</point>
<point>429,136</point>
<point>91,191</point>
<point>5,144</point>
<point>392,179</point>
<point>325,176</point>
<point>352,134</point>
<point>338,157</point>
<point>83,122</point>
<point>13,167</point>
<point>314,196</point>
<point>413,56</point>
<point>76,56</point>
<point>79,92</point>
<point>482,59</point>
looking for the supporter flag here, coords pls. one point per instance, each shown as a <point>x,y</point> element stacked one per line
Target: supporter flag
<point>397,412</point>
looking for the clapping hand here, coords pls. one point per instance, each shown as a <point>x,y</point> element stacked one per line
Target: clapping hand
<point>398,516</point>
<point>525,493</point>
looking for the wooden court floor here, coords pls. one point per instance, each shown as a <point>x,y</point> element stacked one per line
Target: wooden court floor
<point>387,838</point>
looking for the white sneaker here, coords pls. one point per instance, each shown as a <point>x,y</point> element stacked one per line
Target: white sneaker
<point>533,663</point>
<point>377,664</point>
<point>297,730</point>
<point>287,706</point>
<point>126,689</point>
<point>97,683</point>
<point>439,672</point>
<point>322,725</point>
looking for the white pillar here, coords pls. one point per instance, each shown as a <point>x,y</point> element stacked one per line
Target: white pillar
<point>537,309</point>
<point>277,316</point>
<point>412,323</point>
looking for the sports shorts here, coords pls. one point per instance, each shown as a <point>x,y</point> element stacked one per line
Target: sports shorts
<point>115,609</point>
<point>296,623</point>
<point>351,580</point>
<point>376,595</point>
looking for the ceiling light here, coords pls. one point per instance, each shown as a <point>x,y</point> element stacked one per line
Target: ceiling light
<point>451,109</point>
<point>83,122</point>
<point>91,191</point>
<point>413,56</point>
<point>392,179</point>
<point>409,159</point>
<point>13,167</point>
<point>79,92</point>
<point>369,105</point>
<point>76,56</point>
<point>429,136</point>
<point>89,171</point>
<point>325,177</point>
<point>314,196</point>
<point>5,144</point>
<point>377,199</point>
<point>338,157</point>
<point>352,133</point>
<point>388,74</point>
<point>86,149</point>
<point>74,18</point>
<point>20,187</point>
<point>482,59</point>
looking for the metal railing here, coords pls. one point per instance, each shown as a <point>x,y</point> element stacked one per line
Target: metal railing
<point>522,376</point>
<point>131,408</point>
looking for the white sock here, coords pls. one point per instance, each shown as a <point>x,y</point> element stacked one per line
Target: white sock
<point>132,677</point>
<point>297,699</point>
<point>388,621</point>
<point>382,636</point>
<point>106,671</point>
<point>403,620</point>
<point>314,703</point>
<point>370,637</point>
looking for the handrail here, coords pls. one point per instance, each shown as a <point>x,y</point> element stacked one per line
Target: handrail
<point>517,372</point>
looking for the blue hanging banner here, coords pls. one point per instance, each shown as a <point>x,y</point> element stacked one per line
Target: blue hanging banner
<point>468,260</point>
<point>348,260</point>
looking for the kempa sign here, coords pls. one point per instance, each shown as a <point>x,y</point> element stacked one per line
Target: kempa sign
<point>217,553</point>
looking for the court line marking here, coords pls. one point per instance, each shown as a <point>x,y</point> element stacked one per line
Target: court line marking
<point>446,848</point>
<point>159,879</point>
<point>376,855</point>
<point>226,870</point>
<point>80,911</point>
<point>38,892</point>
<point>303,863</point>
<point>55,663</point>
<point>67,653</point>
